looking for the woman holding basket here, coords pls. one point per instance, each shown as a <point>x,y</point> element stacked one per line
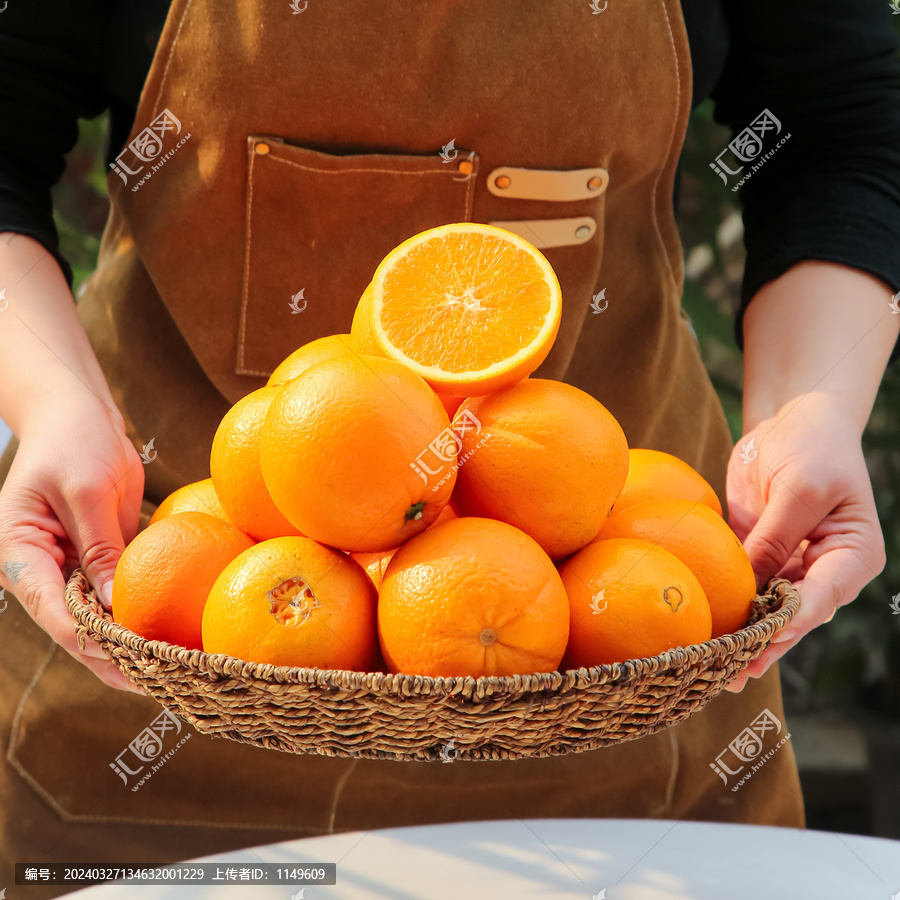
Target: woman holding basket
<point>254,149</point>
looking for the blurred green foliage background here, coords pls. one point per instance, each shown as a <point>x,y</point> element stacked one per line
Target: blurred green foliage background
<point>855,660</point>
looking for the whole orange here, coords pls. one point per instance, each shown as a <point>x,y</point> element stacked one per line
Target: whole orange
<point>293,602</point>
<point>341,448</point>
<point>164,575</point>
<point>472,597</point>
<point>361,339</point>
<point>702,540</point>
<point>235,469</point>
<point>543,456</point>
<point>308,355</point>
<point>197,497</point>
<point>653,474</point>
<point>630,599</point>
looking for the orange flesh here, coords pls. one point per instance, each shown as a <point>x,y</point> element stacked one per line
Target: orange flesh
<point>484,301</point>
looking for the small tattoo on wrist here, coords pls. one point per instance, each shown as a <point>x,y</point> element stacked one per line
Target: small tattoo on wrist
<point>13,570</point>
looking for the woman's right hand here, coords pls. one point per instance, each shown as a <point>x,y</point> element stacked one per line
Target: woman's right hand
<point>72,496</point>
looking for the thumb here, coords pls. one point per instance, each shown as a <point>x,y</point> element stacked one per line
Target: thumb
<point>39,585</point>
<point>96,534</point>
<point>785,521</point>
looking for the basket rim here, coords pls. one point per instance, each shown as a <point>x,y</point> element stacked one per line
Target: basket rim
<point>775,608</point>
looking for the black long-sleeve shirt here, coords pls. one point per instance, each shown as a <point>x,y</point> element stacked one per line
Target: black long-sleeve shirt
<point>827,69</point>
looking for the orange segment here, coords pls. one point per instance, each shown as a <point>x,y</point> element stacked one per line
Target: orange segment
<point>471,308</point>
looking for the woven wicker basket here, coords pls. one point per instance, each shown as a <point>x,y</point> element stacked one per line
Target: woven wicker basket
<point>413,717</point>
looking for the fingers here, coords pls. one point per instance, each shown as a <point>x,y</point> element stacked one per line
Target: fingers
<point>107,672</point>
<point>788,517</point>
<point>740,519</point>
<point>40,588</point>
<point>131,496</point>
<point>93,527</point>
<point>796,567</point>
<point>834,579</point>
<point>759,666</point>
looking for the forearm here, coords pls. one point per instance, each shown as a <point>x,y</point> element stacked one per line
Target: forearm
<point>820,328</point>
<point>46,357</point>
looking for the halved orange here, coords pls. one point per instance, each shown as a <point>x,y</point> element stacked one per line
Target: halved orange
<point>470,308</point>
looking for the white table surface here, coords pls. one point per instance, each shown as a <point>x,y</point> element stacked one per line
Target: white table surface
<point>566,859</point>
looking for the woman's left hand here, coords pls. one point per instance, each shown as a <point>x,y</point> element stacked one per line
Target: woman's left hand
<point>801,500</point>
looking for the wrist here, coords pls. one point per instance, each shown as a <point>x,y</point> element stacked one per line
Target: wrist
<point>43,413</point>
<point>832,409</point>
<point>821,333</point>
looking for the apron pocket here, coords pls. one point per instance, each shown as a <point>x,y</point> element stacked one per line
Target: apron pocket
<point>317,225</point>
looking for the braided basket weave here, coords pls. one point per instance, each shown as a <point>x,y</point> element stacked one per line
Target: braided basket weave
<point>413,717</point>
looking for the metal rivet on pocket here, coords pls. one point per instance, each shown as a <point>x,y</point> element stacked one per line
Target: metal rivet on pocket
<point>262,149</point>
<point>583,231</point>
<point>595,183</point>
<point>502,181</point>
<point>466,167</point>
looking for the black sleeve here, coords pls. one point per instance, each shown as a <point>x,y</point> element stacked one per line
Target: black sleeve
<point>51,64</point>
<point>828,71</point>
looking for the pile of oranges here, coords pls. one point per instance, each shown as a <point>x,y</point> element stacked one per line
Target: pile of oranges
<point>406,498</point>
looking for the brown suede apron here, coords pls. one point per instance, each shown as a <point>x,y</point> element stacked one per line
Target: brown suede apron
<point>276,156</point>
